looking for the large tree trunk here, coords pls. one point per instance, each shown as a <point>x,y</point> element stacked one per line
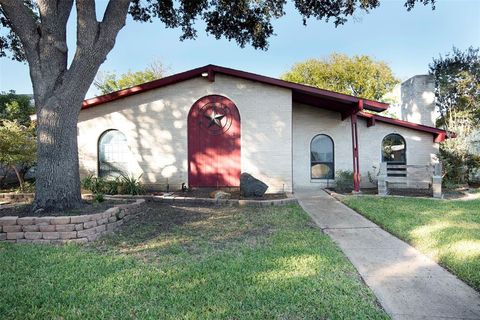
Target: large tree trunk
<point>57,174</point>
<point>59,89</point>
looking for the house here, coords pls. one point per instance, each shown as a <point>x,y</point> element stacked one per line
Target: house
<point>205,126</point>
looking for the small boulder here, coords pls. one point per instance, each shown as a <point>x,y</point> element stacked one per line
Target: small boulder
<point>251,187</point>
<point>218,194</point>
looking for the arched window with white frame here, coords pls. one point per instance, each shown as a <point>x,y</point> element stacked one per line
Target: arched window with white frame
<point>394,149</point>
<point>113,154</point>
<point>322,159</point>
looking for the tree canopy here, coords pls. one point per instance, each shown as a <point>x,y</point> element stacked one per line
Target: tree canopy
<point>109,81</point>
<point>360,76</point>
<point>457,92</point>
<point>17,146</point>
<point>457,82</point>
<point>16,107</point>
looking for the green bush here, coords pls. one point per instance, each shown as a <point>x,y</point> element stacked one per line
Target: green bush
<point>121,185</point>
<point>458,168</point>
<point>344,181</point>
<point>131,185</point>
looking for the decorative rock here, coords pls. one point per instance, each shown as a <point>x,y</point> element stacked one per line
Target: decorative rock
<point>79,219</point>
<point>3,236</point>
<point>79,227</point>
<point>15,235</point>
<point>92,237</point>
<point>68,235</point>
<point>90,224</point>
<point>51,235</point>
<point>85,233</point>
<point>112,219</point>
<point>100,228</point>
<point>251,187</point>
<point>65,227</point>
<point>102,221</point>
<point>113,211</point>
<point>96,216</point>
<point>33,235</point>
<point>8,221</point>
<point>26,221</point>
<point>32,228</point>
<point>218,194</point>
<point>43,220</point>
<point>60,220</point>
<point>121,214</point>
<point>15,228</point>
<point>46,228</point>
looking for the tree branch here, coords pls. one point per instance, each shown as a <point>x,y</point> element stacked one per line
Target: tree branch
<point>87,24</point>
<point>25,26</point>
<point>100,39</point>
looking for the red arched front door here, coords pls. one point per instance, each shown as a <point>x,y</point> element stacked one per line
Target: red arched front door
<point>214,143</point>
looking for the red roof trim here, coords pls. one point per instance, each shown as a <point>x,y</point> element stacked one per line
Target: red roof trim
<point>439,134</point>
<point>211,69</point>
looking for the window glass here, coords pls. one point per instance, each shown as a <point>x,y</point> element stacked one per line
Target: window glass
<point>113,154</point>
<point>394,149</point>
<point>322,157</point>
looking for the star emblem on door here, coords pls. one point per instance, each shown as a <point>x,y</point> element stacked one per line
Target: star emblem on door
<point>215,118</point>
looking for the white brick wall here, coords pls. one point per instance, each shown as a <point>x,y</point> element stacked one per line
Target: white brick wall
<point>309,121</point>
<point>421,149</point>
<point>155,124</point>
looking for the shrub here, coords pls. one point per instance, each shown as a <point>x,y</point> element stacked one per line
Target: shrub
<point>131,185</point>
<point>458,168</point>
<point>95,185</point>
<point>121,185</point>
<point>344,181</point>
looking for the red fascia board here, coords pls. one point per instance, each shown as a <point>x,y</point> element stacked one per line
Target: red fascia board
<point>212,69</point>
<point>302,88</point>
<point>144,87</point>
<point>439,134</point>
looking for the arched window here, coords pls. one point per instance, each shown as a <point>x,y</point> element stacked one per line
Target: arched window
<point>321,157</point>
<point>394,149</point>
<point>113,154</point>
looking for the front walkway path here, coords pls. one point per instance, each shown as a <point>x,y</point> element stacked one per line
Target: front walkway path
<point>408,284</point>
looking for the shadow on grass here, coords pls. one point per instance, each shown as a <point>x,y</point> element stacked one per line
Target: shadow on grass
<point>289,270</point>
<point>447,231</point>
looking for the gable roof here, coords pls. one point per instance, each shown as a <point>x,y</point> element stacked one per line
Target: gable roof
<point>343,103</point>
<point>301,93</point>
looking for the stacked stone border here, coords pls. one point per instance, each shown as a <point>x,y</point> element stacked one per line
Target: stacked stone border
<point>210,201</point>
<point>66,229</point>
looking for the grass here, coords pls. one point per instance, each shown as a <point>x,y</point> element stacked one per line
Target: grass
<point>446,230</point>
<point>189,263</point>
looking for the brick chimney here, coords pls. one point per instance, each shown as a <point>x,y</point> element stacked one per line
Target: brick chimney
<point>418,100</point>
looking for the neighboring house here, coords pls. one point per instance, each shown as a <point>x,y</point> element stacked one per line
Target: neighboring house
<point>205,126</point>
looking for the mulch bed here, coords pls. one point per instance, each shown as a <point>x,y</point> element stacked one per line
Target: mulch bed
<point>235,194</point>
<point>87,207</point>
<point>393,192</point>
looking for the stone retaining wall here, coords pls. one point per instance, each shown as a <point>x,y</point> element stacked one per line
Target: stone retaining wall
<point>65,229</point>
<point>210,201</point>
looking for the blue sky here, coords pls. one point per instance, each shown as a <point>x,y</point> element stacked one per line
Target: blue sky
<point>407,41</point>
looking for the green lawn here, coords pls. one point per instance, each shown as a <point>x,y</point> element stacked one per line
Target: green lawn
<point>189,263</point>
<point>446,230</point>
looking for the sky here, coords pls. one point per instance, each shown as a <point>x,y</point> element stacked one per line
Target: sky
<point>407,41</point>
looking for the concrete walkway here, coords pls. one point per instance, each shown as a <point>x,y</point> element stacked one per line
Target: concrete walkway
<point>408,284</point>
